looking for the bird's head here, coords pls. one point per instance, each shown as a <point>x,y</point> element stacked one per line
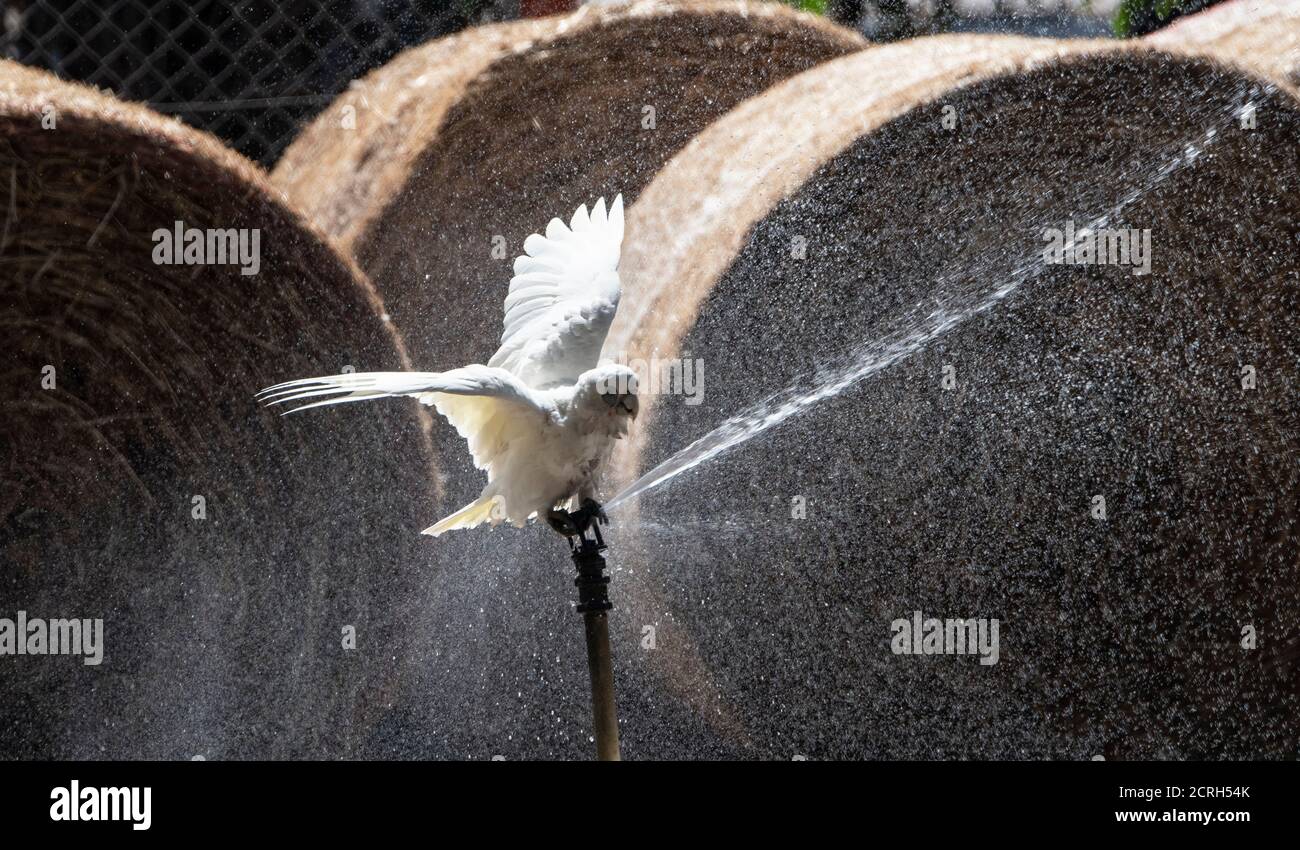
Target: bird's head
<point>610,390</point>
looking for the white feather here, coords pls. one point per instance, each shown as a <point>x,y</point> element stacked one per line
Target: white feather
<point>534,418</point>
<point>563,298</point>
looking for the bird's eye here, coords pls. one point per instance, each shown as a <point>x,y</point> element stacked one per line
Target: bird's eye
<point>610,398</point>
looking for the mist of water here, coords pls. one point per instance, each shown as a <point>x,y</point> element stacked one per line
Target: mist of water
<point>877,355</point>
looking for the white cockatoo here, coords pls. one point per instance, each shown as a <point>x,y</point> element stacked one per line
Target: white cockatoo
<point>541,418</point>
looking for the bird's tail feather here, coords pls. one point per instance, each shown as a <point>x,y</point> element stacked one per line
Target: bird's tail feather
<point>475,513</point>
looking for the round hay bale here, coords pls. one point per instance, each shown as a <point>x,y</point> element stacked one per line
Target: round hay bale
<point>1262,35</point>
<point>223,547</point>
<point>858,255</point>
<point>466,145</point>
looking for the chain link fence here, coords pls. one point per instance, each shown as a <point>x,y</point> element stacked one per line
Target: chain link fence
<point>249,71</point>
<point>254,71</point>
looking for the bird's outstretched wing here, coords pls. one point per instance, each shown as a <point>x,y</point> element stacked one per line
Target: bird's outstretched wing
<point>563,298</point>
<point>489,407</point>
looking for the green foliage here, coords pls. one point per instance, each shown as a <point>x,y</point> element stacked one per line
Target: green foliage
<point>817,7</point>
<point>1139,17</point>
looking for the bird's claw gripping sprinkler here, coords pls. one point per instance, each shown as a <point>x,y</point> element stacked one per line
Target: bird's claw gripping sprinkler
<point>575,523</point>
<point>593,605</point>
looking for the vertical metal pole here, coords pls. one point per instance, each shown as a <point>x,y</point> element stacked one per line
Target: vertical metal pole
<point>594,605</point>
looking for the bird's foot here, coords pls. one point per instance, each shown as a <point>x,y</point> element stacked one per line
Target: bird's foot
<point>563,522</point>
<point>593,512</point>
<point>576,523</point>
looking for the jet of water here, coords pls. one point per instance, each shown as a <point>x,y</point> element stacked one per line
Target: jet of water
<point>878,355</point>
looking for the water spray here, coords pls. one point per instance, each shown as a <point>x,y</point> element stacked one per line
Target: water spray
<point>877,355</point>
